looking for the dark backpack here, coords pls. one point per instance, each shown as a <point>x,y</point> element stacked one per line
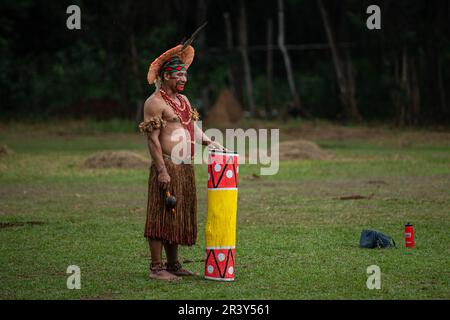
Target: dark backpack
<point>375,239</point>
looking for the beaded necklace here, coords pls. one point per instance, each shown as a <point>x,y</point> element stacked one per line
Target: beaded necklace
<point>176,109</point>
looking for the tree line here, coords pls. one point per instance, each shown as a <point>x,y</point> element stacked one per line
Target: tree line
<point>281,58</point>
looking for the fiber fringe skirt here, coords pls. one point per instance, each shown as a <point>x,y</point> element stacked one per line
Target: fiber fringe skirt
<point>178,227</point>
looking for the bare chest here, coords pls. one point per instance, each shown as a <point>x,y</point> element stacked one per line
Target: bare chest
<point>170,116</point>
<point>177,113</point>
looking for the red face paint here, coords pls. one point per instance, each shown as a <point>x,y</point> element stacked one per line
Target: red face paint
<point>181,78</point>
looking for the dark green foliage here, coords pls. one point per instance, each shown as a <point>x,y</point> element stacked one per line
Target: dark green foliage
<point>47,70</point>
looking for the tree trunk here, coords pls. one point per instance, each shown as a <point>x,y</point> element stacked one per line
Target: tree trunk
<point>230,68</point>
<point>228,31</point>
<point>405,89</point>
<point>202,9</point>
<point>234,74</point>
<point>269,69</point>
<point>347,96</point>
<point>396,94</point>
<point>135,68</point>
<point>245,59</point>
<point>287,61</point>
<point>441,87</point>
<point>415,95</point>
<point>407,101</point>
<point>349,75</point>
<point>123,87</point>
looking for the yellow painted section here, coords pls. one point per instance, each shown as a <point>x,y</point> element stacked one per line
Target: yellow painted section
<point>221,218</point>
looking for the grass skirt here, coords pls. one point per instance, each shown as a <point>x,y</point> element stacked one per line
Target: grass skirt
<point>179,227</point>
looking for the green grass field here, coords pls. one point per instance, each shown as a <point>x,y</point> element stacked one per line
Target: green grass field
<point>295,238</point>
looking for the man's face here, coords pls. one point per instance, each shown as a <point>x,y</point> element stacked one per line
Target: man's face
<point>176,80</point>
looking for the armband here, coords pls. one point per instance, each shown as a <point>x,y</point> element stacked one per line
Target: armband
<point>195,115</point>
<point>151,124</point>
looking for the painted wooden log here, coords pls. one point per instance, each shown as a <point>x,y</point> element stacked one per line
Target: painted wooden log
<point>223,171</point>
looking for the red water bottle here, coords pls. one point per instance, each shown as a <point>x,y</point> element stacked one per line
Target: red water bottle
<point>409,235</point>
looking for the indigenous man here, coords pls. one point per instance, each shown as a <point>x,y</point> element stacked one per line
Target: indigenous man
<point>167,113</point>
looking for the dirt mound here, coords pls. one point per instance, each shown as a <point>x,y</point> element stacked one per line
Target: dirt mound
<point>302,150</point>
<point>5,151</point>
<point>115,159</point>
<point>227,109</point>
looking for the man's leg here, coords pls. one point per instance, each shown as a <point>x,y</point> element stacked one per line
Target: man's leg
<point>156,267</point>
<point>171,252</point>
<point>173,265</point>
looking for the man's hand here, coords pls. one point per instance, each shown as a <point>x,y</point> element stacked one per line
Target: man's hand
<point>164,179</point>
<point>218,146</point>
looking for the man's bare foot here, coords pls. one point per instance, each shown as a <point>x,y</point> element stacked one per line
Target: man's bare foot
<point>157,272</point>
<point>178,270</point>
<point>163,275</point>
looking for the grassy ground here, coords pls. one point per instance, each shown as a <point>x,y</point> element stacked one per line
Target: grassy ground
<point>295,238</point>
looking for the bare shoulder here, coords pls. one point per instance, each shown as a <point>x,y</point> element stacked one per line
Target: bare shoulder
<point>153,106</point>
